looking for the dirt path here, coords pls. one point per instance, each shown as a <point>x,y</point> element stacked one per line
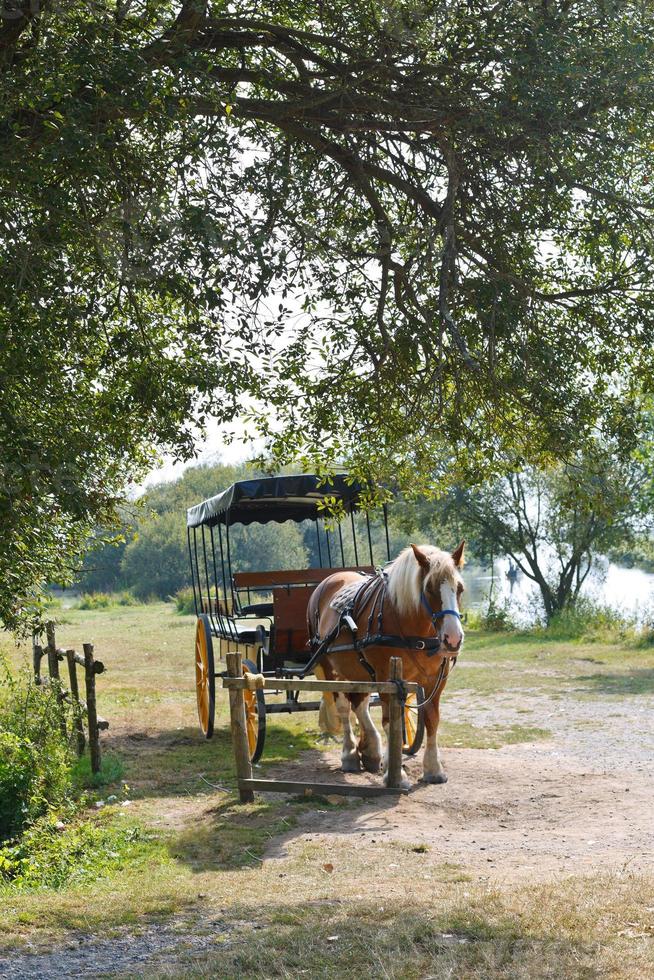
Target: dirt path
<point>575,803</point>
<point>522,812</point>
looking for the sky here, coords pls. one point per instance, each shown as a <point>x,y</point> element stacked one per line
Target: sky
<point>211,448</point>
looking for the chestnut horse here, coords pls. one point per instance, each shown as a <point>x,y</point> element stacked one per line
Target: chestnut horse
<point>413,609</point>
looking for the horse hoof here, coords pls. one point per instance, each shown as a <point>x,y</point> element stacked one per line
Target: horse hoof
<point>370,764</point>
<point>433,778</point>
<point>350,763</point>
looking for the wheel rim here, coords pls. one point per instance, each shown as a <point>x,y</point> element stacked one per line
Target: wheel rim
<point>255,716</point>
<point>203,678</point>
<point>251,720</point>
<point>410,720</point>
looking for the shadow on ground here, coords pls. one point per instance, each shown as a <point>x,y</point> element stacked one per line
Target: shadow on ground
<point>183,762</point>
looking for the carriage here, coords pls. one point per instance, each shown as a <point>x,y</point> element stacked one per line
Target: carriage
<point>262,613</point>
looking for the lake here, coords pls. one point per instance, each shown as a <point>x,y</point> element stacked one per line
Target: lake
<point>629,590</point>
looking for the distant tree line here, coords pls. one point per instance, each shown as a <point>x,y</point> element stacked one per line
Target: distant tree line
<point>552,523</point>
<point>150,557</point>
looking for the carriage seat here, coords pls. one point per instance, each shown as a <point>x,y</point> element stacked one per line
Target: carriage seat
<point>263,610</point>
<point>229,629</point>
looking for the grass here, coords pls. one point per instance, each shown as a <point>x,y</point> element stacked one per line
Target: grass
<point>455,931</point>
<point>397,912</point>
<point>463,735</point>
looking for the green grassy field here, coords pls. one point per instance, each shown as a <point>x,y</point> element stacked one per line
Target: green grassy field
<point>200,852</point>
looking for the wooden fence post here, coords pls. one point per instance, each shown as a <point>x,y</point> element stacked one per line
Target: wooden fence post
<point>78,722</point>
<point>394,773</point>
<point>53,660</point>
<point>91,711</point>
<point>239,729</point>
<point>37,656</point>
<point>53,670</point>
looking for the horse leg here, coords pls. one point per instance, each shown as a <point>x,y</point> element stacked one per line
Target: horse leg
<point>404,779</point>
<point>349,754</point>
<point>370,743</point>
<point>432,767</point>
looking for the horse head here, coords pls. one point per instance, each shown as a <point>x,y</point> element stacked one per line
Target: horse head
<point>424,578</point>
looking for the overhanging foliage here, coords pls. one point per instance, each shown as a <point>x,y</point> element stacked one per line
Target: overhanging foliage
<point>401,233</point>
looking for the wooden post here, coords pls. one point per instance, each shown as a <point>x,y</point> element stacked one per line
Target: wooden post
<point>239,729</point>
<point>37,657</point>
<point>53,670</point>
<point>91,711</point>
<point>394,774</point>
<point>77,708</point>
<point>53,660</point>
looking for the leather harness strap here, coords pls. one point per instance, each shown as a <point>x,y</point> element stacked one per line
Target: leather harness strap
<point>373,591</point>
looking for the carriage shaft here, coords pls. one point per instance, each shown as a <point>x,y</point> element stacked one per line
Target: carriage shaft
<point>336,687</point>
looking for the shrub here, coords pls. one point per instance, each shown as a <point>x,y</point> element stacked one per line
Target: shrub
<point>184,601</point>
<point>126,598</point>
<point>497,617</point>
<point>95,600</point>
<point>589,620</point>
<point>51,854</point>
<point>17,783</point>
<point>35,757</point>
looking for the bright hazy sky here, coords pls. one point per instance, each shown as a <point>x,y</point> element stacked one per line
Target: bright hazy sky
<point>212,448</point>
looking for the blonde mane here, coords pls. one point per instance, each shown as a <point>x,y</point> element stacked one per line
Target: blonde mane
<point>405,577</point>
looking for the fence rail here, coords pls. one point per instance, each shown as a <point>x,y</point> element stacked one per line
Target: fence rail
<point>81,708</point>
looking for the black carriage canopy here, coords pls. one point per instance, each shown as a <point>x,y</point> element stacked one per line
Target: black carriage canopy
<point>275,498</point>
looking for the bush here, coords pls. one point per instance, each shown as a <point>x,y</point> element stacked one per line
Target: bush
<point>95,600</point>
<point>51,854</point>
<point>589,620</point>
<point>17,783</point>
<point>497,617</point>
<point>185,602</point>
<point>126,598</point>
<point>35,757</point>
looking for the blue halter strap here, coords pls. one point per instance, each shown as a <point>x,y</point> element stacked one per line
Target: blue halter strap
<point>435,616</point>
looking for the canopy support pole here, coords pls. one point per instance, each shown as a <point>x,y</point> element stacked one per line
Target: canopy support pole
<point>229,565</point>
<point>318,539</point>
<point>206,578</point>
<point>372,560</point>
<point>190,554</point>
<point>388,543</point>
<point>354,539</point>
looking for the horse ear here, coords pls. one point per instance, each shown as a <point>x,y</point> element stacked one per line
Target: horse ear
<point>421,558</point>
<point>457,555</point>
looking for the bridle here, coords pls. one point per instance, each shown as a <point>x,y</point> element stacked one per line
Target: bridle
<point>435,616</point>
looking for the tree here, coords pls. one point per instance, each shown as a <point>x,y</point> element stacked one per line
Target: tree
<point>154,561</point>
<point>554,524</point>
<point>392,233</point>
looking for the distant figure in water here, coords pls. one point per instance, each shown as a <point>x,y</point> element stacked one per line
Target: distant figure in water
<point>512,574</point>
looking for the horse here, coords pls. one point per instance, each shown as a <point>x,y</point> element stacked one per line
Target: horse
<point>412,606</point>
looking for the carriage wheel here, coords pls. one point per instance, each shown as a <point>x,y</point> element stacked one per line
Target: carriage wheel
<point>205,675</point>
<point>255,716</point>
<point>413,723</point>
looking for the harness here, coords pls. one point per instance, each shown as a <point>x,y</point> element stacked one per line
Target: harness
<point>373,591</point>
